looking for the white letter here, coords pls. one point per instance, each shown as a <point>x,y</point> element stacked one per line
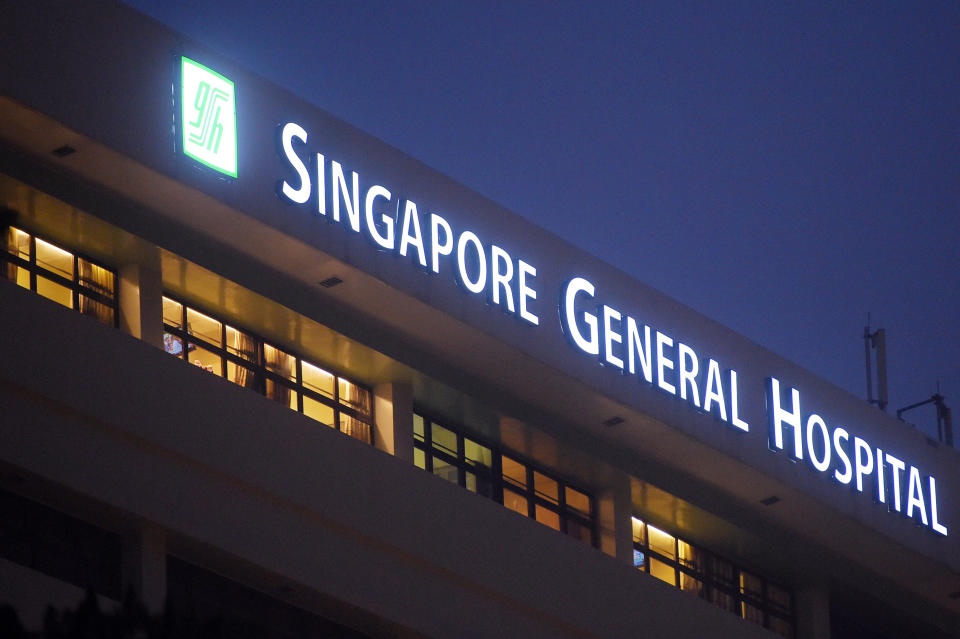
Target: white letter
<point>471,237</point>
<point>898,467</point>
<point>688,375</point>
<point>937,526</point>
<point>860,448</point>
<point>321,185</point>
<point>915,496</point>
<point>664,363</point>
<point>411,221</point>
<point>436,247</point>
<point>881,482</point>
<point>635,349</point>
<point>500,278</point>
<point>611,337</point>
<point>301,195</point>
<point>844,477</point>
<point>524,292</point>
<point>735,404</point>
<point>713,391</point>
<point>386,241</point>
<point>779,417</point>
<point>819,464</point>
<point>589,346</point>
<point>340,191</point>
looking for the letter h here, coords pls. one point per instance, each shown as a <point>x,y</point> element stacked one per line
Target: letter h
<point>778,417</point>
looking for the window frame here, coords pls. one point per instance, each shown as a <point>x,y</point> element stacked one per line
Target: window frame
<point>260,371</point>
<point>498,482</point>
<point>710,582</point>
<point>74,284</point>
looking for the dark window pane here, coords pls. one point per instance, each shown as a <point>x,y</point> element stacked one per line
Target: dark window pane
<point>721,572</point>
<point>724,600</point>
<point>753,613</point>
<point>751,586</point>
<point>780,626</point>
<point>779,599</point>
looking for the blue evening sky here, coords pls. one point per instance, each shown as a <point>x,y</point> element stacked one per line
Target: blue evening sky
<point>783,168</point>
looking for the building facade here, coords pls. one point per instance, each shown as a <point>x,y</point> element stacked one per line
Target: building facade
<point>265,367</point>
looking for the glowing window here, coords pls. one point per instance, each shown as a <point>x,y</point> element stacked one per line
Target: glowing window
<point>529,491</point>
<point>59,275</point>
<point>244,359</point>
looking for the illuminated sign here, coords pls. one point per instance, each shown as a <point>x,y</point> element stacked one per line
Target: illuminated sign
<point>618,341</point>
<point>853,460</point>
<point>396,225</point>
<point>208,117</point>
<point>595,326</point>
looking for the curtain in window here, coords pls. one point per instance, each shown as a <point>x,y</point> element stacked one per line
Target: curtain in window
<point>246,347</point>
<point>353,395</point>
<point>281,363</point>
<point>100,280</point>
<point>16,243</point>
<point>355,428</point>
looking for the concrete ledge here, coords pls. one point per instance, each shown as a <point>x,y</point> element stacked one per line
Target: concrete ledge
<point>89,408</point>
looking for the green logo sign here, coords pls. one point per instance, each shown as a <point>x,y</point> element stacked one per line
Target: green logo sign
<point>209,117</point>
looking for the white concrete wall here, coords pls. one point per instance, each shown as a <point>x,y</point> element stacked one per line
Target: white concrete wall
<point>90,409</point>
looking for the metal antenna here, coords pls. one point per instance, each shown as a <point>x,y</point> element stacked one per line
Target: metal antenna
<point>876,340</point>
<point>944,417</point>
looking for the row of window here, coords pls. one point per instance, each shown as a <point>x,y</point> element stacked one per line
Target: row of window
<point>503,477</point>
<point>249,361</point>
<point>59,275</point>
<point>79,283</point>
<point>246,360</point>
<point>710,577</point>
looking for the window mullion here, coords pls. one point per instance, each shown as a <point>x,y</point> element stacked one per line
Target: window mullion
<point>33,263</point>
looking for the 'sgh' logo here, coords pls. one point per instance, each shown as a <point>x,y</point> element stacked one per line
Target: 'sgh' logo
<point>209,117</point>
